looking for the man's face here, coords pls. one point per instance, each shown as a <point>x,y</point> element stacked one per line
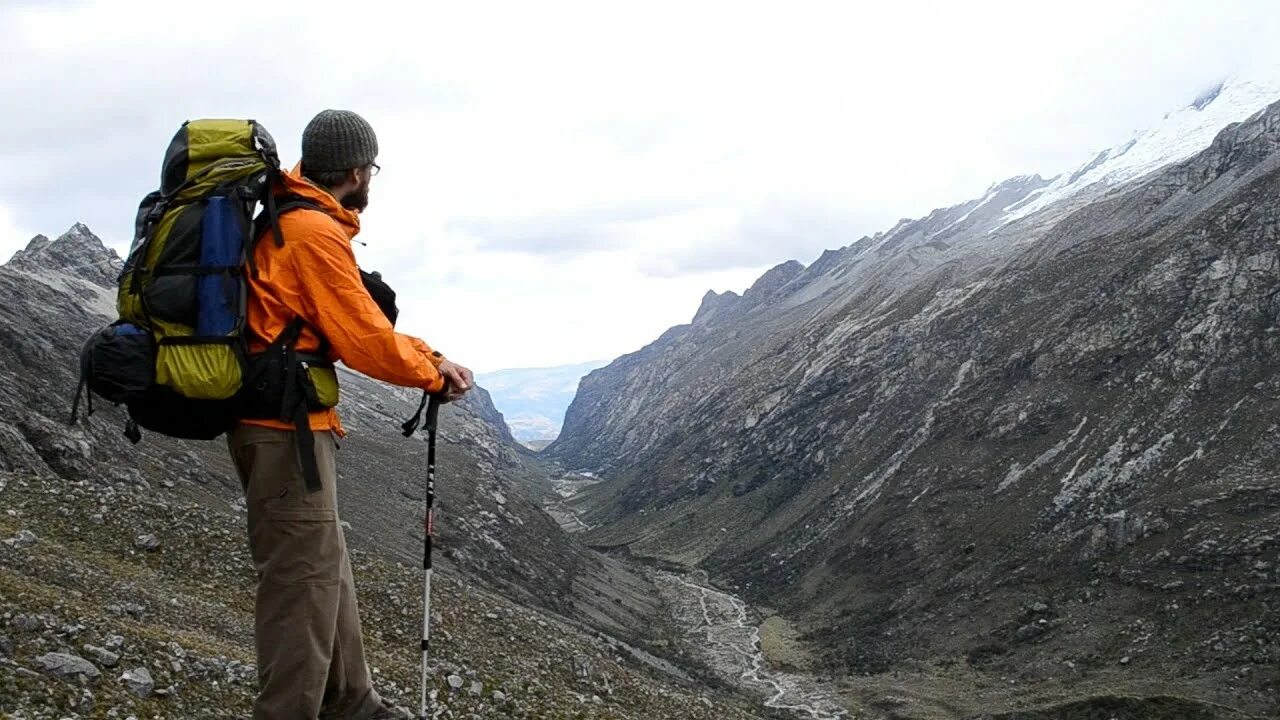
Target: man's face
<point>357,198</point>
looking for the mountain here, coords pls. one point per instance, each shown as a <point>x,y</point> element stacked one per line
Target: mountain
<point>102,539</point>
<point>534,399</point>
<point>1018,453</point>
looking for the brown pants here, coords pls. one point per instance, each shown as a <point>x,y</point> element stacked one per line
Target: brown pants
<point>306,624</point>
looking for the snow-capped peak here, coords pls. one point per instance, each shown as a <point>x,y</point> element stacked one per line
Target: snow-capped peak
<point>1179,135</point>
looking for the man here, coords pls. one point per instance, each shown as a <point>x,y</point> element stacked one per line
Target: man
<point>307,627</point>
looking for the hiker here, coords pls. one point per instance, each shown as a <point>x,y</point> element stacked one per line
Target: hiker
<point>307,627</point>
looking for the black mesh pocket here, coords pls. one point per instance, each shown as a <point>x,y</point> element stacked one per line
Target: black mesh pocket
<point>118,363</point>
<point>171,293</point>
<point>172,298</point>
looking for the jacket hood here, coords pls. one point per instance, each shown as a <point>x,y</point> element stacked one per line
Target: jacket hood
<point>295,184</point>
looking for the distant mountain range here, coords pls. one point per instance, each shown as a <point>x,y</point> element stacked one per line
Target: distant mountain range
<point>534,400</point>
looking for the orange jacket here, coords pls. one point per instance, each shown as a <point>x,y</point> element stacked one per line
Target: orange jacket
<point>315,277</point>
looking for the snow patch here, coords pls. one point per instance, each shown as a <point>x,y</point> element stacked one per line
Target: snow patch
<point>1179,136</point>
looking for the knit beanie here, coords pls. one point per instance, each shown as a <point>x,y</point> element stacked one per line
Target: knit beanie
<point>338,140</point>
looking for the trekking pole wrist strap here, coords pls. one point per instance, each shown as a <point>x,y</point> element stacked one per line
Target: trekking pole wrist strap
<point>431,404</point>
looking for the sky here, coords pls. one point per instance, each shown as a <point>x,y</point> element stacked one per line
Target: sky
<point>564,181</point>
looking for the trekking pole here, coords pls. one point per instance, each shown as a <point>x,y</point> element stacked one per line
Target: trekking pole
<point>429,528</point>
<point>432,405</point>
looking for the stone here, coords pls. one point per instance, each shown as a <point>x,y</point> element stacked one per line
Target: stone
<point>26,623</point>
<point>147,542</point>
<point>102,656</point>
<point>139,682</point>
<point>455,682</point>
<point>583,668</point>
<point>1029,631</point>
<point>24,539</point>
<point>68,666</point>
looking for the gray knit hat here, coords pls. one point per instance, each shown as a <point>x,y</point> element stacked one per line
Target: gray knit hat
<point>338,140</point>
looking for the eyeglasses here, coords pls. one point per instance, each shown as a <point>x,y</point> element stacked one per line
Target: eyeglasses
<point>375,168</point>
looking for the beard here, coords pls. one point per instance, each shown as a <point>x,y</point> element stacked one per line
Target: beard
<point>357,199</point>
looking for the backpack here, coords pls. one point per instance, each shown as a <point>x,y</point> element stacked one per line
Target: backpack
<point>178,358</point>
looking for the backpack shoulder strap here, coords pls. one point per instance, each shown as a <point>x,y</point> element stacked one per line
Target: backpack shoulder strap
<point>272,209</point>
<point>275,207</point>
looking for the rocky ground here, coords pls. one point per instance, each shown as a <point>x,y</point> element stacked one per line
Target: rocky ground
<point>119,601</point>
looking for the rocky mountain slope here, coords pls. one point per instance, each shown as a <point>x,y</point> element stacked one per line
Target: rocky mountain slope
<point>85,494</point>
<point>988,460</point>
<point>55,293</point>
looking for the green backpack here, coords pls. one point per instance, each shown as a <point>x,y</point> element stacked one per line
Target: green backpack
<point>178,357</point>
<point>184,278</point>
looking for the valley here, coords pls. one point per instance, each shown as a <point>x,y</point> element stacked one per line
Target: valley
<point>1015,459</point>
<point>1015,456</point>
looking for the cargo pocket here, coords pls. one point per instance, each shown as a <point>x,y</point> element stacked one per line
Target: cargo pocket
<point>304,546</point>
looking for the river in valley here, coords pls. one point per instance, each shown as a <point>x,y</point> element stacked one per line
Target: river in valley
<point>719,629</point>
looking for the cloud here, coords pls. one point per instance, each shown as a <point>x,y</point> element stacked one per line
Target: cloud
<point>671,241</point>
<point>564,180</point>
<point>764,235</point>
<point>575,233</point>
<point>12,237</point>
<point>548,236</point>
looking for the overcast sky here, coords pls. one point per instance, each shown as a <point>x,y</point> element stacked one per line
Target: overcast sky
<point>563,182</point>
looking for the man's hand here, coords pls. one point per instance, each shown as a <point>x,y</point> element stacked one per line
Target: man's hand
<point>458,380</point>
